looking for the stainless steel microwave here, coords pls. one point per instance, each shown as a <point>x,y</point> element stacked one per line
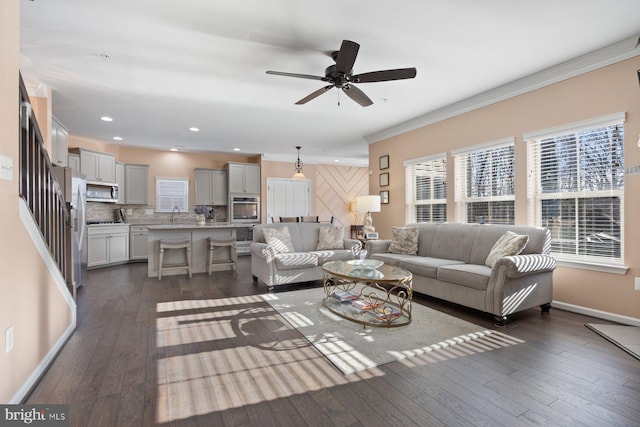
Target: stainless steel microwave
<point>102,192</point>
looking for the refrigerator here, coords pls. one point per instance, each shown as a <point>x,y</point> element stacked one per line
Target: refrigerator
<point>74,189</point>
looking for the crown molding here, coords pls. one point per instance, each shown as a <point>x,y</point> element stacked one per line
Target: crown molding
<point>608,55</point>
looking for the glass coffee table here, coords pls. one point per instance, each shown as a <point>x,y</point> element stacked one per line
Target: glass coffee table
<point>368,292</point>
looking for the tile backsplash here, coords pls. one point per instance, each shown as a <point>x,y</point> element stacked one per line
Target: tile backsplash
<point>139,214</point>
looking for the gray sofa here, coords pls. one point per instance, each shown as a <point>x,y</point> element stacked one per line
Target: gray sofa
<point>450,265</point>
<point>304,263</point>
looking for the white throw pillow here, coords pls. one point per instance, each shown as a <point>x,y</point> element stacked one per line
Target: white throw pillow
<point>508,244</point>
<point>330,238</point>
<point>279,238</point>
<point>404,240</point>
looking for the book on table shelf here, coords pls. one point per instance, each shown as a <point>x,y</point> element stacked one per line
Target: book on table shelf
<point>385,312</point>
<point>345,296</point>
<point>362,305</point>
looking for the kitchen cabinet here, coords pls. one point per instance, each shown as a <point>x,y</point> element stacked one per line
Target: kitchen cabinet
<point>108,244</point>
<point>244,178</point>
<point>59,144</point>
<point>136,184</point>
<point>74,161</point>
<point>97,166</point>
<point>120,182</point>
<point>211,187</point>
<point>138,243</point>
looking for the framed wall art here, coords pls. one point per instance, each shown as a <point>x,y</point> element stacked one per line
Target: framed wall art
<point>384,179</point>
<point>384,162</point>
<point>384,197</point>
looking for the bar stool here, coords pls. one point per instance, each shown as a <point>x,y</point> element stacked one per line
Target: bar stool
<point>173,244</point>
<point>221,242</point>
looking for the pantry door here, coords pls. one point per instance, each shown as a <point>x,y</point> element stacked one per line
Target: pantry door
<point>288,197</point>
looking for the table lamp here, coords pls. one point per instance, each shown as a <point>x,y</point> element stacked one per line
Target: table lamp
<point>368,204</point>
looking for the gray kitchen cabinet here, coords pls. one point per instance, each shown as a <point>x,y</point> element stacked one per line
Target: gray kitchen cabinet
<point>211,187</point>
<point>59,144</point>
<point>120,182</point>
<point>138,243</point>
<point>74,161</point>
<point>244,178</point>
<point>97,166</point>
<point>136,184</point>
<point>108,244</point>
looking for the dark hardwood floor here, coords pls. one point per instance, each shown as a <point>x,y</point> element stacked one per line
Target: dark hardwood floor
<point>209,351</point>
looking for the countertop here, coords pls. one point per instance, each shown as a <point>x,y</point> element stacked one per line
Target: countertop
<point>193,226</point>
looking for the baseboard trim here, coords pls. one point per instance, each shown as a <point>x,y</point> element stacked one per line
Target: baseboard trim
<point>42,367</point>
<point>618,318</point>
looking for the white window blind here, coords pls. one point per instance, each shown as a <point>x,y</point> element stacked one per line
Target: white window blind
<point>171,193</point>
<point>576,189</point>
<point>485,183</point>
<point>427,190</point>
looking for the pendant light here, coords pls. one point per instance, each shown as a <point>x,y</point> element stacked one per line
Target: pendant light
<point>298,167</point>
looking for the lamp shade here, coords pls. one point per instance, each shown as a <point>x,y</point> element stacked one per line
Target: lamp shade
<point>367,204</point>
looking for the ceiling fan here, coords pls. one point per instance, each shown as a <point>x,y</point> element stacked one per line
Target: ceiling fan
<point>339,75</point>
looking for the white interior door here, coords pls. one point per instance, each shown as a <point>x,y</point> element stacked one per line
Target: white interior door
<point>288,197</point>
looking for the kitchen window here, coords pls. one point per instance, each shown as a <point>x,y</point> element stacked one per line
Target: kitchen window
<point>485,183</point>
<point>171,193</point>
<point>576,189</point>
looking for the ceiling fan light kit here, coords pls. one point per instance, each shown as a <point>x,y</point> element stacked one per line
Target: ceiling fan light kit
<point>340,75</point>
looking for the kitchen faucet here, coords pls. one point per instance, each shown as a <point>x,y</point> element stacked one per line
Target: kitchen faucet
<point>173,211</point>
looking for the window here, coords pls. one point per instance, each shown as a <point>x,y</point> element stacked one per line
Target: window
<point>426,189</point>
<point>172,192</point>
<point>485,183</point>
<point>576,188</point>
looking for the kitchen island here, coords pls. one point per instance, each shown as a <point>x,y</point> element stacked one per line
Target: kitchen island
<point>197,235</point>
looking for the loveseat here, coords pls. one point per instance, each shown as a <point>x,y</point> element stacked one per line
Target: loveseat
<point>293,252</point>
<point>449,262</point>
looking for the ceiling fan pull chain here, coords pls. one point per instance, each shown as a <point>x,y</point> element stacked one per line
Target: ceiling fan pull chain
<point>338,98</point>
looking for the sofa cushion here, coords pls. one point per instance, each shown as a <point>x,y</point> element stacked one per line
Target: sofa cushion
<point>279,239</point>
<point>507,245</point>
<point>404,240</point>
<point>454,241</point>
<point>294,260</point>
<point>390,259</point>
<point>333,255</point>
<point>330,238</point>
<point>470,275</point>
<point>425,266</point>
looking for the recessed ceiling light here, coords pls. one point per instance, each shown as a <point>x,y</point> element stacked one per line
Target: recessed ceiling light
<point>117,138</point>
<point>336,160</point>
<point>173,149</point>
<point>236,149</point>
<point>194,129</point>
<point>106,119</point>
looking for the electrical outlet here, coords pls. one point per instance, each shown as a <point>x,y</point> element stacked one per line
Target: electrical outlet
<point>8,339</point>
<point>637,284</point>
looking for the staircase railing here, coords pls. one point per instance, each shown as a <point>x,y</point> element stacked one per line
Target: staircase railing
<point>40,190</point>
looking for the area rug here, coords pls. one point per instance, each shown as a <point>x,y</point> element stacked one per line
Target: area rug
<point>625,337</point>
<point>352,347</point>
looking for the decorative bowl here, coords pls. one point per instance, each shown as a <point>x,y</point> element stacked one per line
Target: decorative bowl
<point>365,264</point>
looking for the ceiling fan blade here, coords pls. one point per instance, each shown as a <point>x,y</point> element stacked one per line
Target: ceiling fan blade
<point>300,76</point>
<point>385,75</point>
<point>347,56</point>
<point>357,95</point>
<point>314,95</point>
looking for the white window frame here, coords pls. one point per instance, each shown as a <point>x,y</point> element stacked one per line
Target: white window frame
<point>536,196</point>
<point>431,163</point>
<point>172,192</point>
<point>461,159</point>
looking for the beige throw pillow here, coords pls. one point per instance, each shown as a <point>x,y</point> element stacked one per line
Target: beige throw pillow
<point>279,238</point>
<point>404,240</point>
<point>508,244</point>
<point>330,238</point>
